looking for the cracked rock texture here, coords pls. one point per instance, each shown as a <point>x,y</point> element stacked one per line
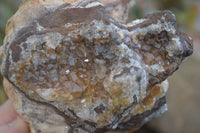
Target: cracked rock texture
<point>76,67</point>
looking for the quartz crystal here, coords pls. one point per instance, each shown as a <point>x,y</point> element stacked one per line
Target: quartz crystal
<point>76,67</point>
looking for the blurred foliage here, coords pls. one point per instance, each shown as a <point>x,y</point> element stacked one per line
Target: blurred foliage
<point>7,9</point>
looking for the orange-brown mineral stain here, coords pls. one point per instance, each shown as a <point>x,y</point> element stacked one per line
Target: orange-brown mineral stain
<point>133,130</point>
<point>149,101</point>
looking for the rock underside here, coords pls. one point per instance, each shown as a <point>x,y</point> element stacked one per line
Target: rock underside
<point>76,67</point>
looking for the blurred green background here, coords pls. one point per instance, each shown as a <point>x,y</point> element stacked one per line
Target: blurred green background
<point>184,92</point>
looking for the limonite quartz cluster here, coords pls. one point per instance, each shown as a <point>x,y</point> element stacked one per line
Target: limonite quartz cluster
<point>74,66</point>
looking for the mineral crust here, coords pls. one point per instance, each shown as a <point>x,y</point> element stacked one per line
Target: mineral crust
<point>71,67</point>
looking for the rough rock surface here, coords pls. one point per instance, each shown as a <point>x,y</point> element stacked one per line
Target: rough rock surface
<point>183,110</point>
<point>73,67</point>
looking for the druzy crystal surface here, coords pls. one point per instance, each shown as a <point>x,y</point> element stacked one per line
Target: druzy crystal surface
<point>75,68</point>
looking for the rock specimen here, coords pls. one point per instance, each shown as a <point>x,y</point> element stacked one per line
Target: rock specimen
<point>71,67</point>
